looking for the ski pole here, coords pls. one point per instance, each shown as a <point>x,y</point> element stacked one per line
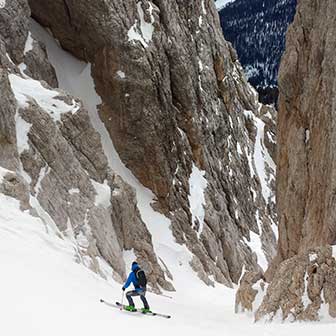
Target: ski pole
<point>122,300</point>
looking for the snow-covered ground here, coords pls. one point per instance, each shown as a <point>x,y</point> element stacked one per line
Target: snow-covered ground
<point>45,292</point>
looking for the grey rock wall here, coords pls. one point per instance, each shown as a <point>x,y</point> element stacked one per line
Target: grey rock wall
<point>55,161</point>
<point>302,274</point>
<point>305,182</point>
<point>174,95</point>
<point>175,102</point>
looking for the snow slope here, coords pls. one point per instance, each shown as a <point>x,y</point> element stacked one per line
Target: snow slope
<point>45,292</point>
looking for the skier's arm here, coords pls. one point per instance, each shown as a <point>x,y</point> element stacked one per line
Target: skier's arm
<point>128,281</point>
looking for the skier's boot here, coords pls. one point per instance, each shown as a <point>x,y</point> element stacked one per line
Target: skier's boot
<point>130,308</point>
<point>145,310</point>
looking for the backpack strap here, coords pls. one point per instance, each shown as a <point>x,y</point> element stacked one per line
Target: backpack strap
<point>136,273</point>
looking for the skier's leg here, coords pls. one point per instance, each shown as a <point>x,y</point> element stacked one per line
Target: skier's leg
<point>129,295</point>
<point>143,299</point>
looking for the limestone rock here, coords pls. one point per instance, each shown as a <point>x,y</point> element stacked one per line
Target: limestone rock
<point>306,136</point>
<point>302,276</point>
<point>53,162</point>
<point>176,103</point>
<point>13,185</point>
<point>248,290</point>
<point>14,22</point>
<point>133,234</point>
<point>69,176</point>
<point>38,65</point>
<point>301,287</point>
<point>8,153</point>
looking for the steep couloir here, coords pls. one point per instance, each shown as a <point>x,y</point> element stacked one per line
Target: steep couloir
<point>178,107</point>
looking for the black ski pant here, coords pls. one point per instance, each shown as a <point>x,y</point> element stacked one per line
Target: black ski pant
<point>140,293</point>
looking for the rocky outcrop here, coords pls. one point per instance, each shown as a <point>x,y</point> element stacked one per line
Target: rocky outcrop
<point>37,65</point>
<point>306,136</point>
<point>303,288</point>
<point>52,159</point>
<point>178,108</point>
<point>8,153</point>
<point>133,235</point>
<point>14,23</point>
<point>250,285</point>
<point>302,275</point>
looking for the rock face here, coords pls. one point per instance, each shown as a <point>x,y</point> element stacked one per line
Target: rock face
<point>303,288</point>
<point>306,136</point>
<point>250,285</point>
<point>303,273</point>
<point>177,106</point>
<point>14,22</point>
<point>181,115</point>
<point>53,162</point>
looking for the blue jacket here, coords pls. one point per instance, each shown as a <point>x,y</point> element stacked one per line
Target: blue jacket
<point>133,279</point>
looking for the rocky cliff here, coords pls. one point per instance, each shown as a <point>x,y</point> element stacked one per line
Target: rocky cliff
<point>54,159</point>
<point>305,179</point>
<point>303,271</point>
<point>181,115</point>
<point>303,288</point>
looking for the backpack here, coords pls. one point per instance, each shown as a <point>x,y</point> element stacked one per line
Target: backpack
<point>141,277</point>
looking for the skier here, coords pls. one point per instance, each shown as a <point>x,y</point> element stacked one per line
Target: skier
<point>138,278</point>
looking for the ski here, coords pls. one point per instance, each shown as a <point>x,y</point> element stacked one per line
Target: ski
<point>120,306</point>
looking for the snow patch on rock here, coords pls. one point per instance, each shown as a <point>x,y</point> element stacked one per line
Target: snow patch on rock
<point>262,164</point>
<point>43,172</point>
<point>121,74</point>
<point>103,194</point>
<point>74,191</point>
<point>29,43</point>
<point>22,130</point>
<point>197,186</point>
<point>29,90</point>
<point>144,31</point>
<point>3,173</point>
<point>255,243</point>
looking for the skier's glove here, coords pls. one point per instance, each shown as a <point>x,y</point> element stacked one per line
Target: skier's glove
<point>123,289</point>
